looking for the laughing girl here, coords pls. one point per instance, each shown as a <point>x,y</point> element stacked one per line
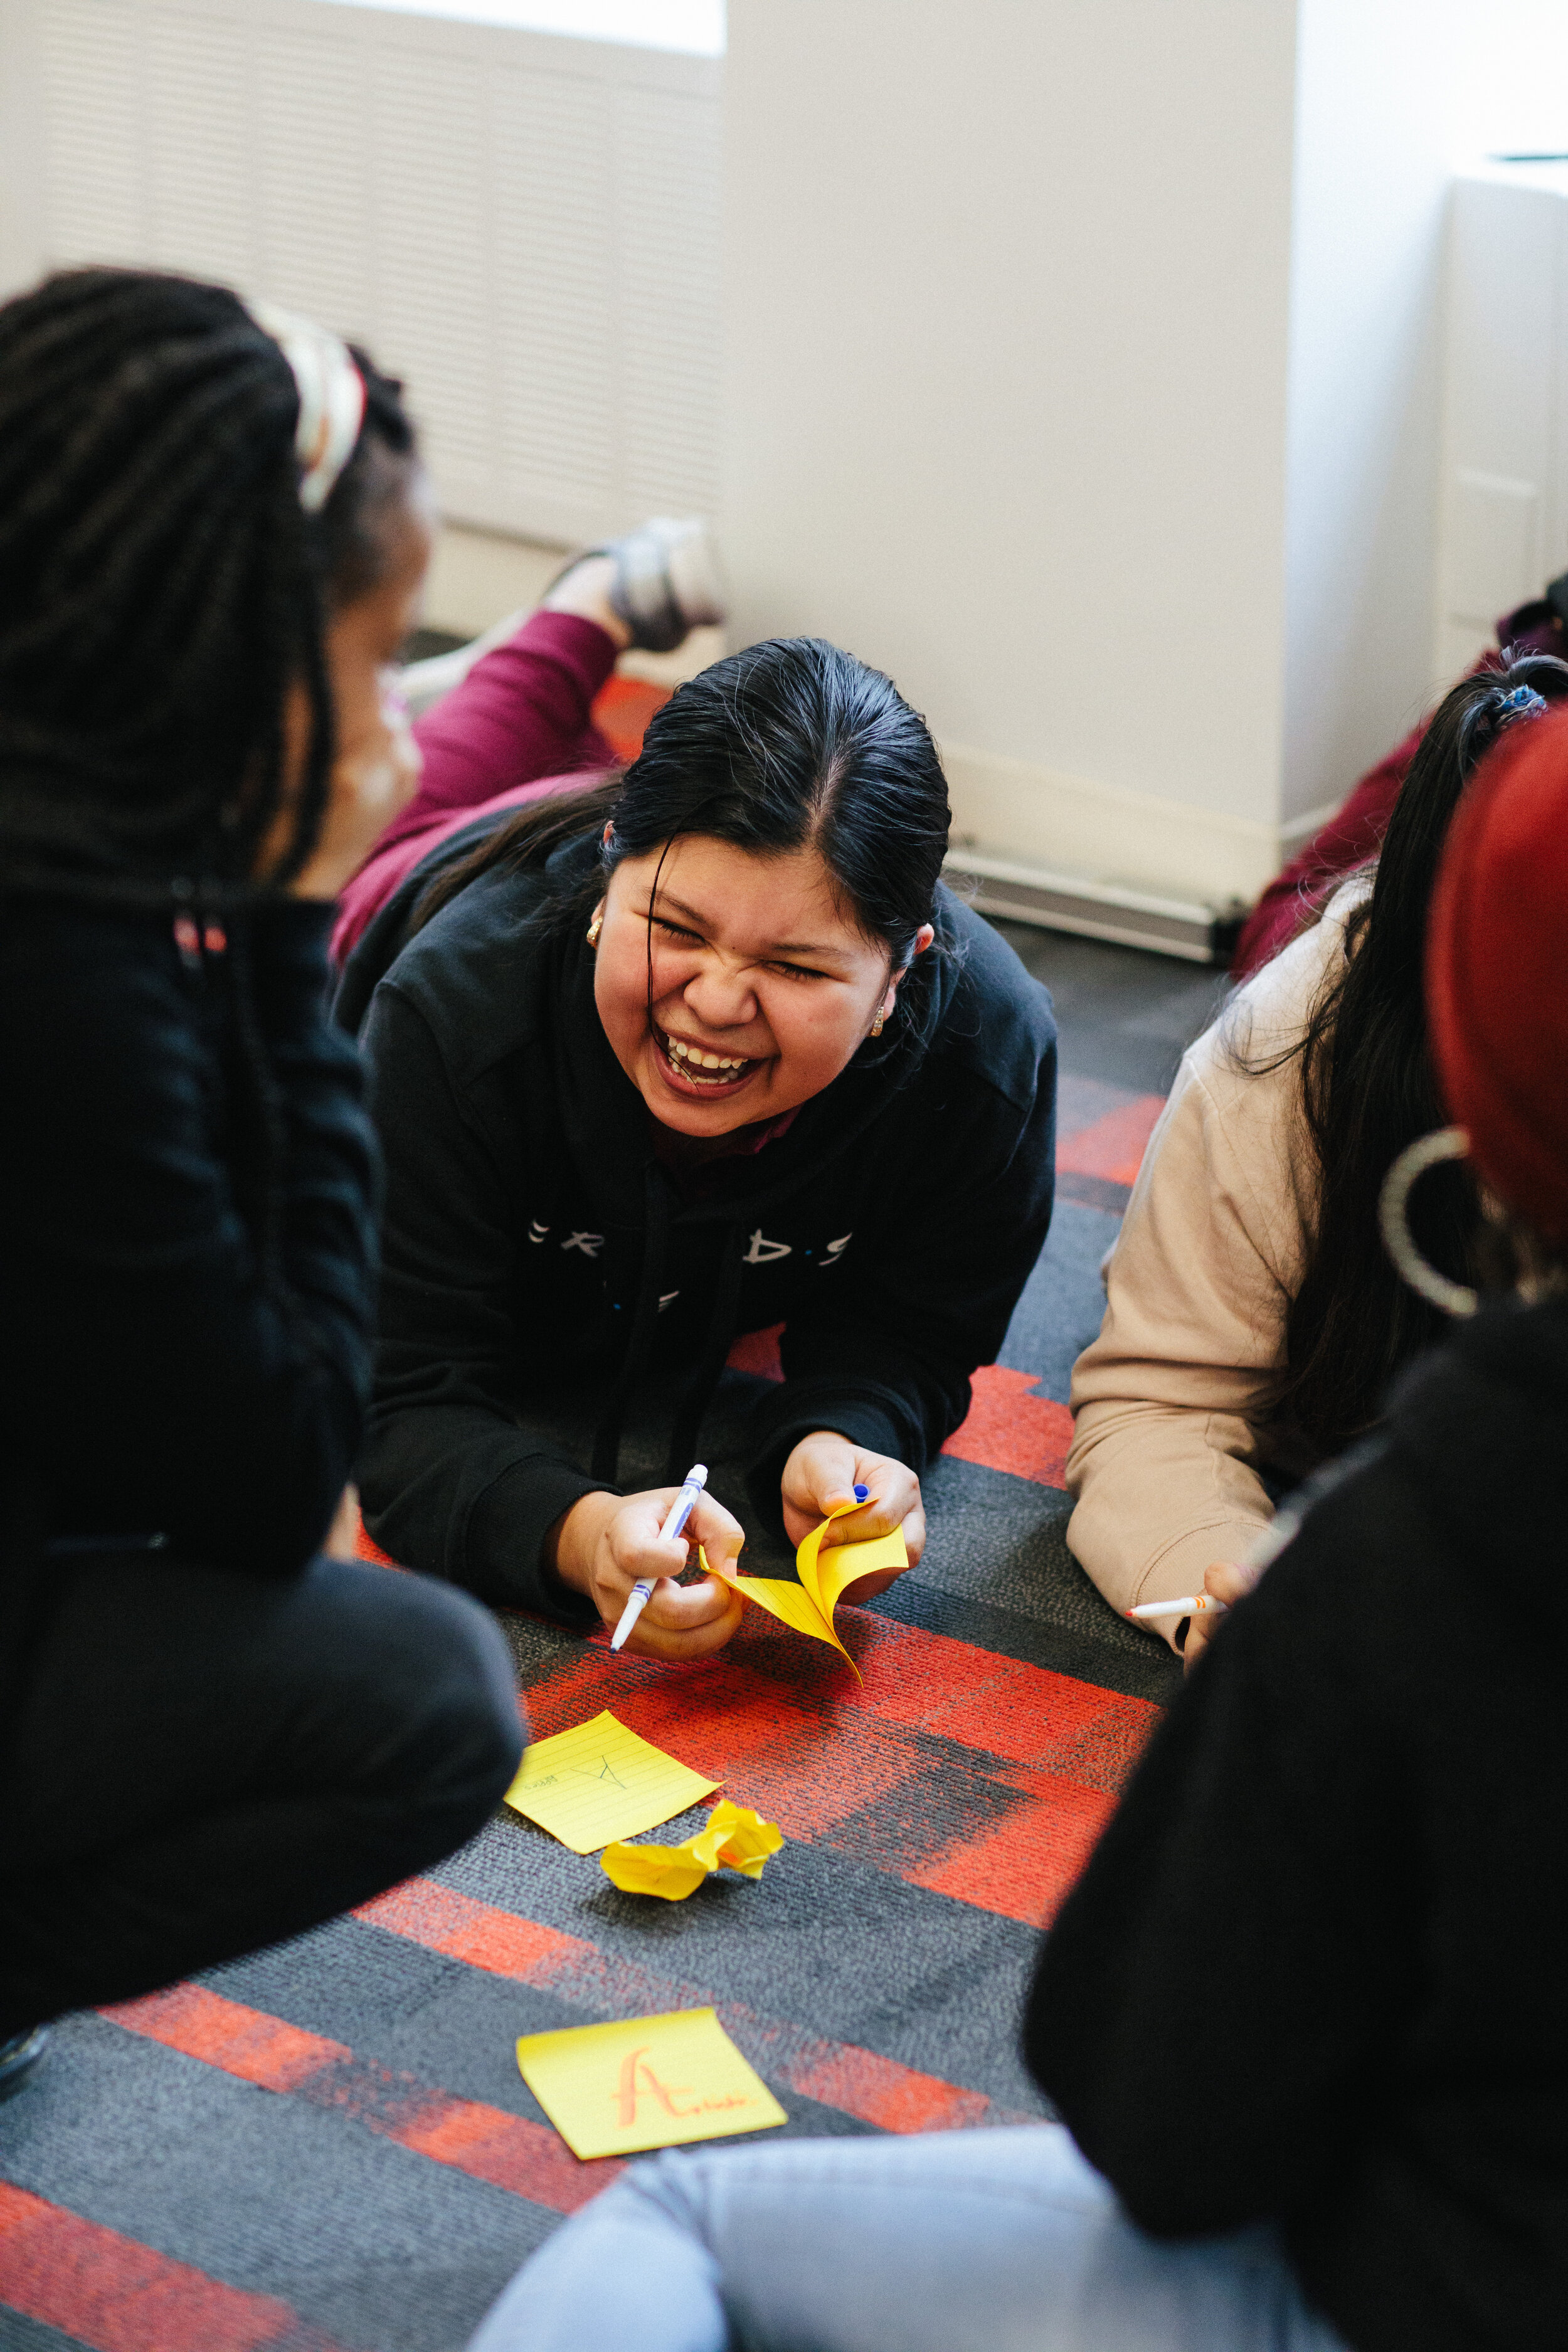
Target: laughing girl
<point>690,1053</point>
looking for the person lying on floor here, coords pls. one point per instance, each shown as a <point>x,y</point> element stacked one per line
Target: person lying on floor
<point>693,1052</point>
<point>212,530</point>
<point>1300,2018</point>
<point>1253,1322</point>
<point>1354,835</point>
<point>507,718</point>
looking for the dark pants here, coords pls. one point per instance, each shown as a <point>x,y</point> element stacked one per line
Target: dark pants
<point>200,1763</point>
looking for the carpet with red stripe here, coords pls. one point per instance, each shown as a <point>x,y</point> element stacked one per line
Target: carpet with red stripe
<point>327,2145</point>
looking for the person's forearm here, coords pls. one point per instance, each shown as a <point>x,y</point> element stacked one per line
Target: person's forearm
<point>1159,1493</point>
<point>464,1494</point>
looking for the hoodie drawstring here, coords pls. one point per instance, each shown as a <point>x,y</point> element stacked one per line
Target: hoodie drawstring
<point>645,1322</point>
<point>697,1394</point>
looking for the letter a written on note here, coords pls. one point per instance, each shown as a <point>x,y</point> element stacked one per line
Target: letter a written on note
<point>645,2082</point>
<point>599,1783</point>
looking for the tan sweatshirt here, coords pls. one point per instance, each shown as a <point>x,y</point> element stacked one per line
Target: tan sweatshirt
<point>1165,1455</point>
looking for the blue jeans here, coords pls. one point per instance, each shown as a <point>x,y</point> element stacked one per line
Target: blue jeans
<point>950,2242</point>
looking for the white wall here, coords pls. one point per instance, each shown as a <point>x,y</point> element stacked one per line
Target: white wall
<point>1085,372</point>
<point>1006,298</point>
<point>1375,130</point>
<point>1505,471</point>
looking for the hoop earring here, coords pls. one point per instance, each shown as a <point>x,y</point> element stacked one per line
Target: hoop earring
<point>877,1025</point>
<point>595,927</point>
<point>1394,1223</point>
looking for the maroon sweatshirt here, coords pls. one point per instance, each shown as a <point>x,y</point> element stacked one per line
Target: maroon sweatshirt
<point>1355,832</point>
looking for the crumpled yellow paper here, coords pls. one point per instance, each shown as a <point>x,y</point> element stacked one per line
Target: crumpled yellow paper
<point>735,1836</point>
<point>808,1606</point>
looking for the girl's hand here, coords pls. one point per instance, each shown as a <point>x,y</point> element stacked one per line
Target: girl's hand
<point>1227,1583</point>
<point>606,1543</point>
<point>374,777</point>
<point>824,1471</point>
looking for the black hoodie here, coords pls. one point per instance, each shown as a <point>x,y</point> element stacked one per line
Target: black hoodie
<point>531,1235</point>
<point>1315,1971</point>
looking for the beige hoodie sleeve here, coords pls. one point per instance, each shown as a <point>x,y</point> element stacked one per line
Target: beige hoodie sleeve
<point>1164,1462</point>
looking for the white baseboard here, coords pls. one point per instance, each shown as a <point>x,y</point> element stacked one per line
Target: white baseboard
<point>1129,844</point>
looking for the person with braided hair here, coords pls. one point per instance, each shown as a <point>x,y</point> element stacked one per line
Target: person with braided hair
<point>214,527</point>
<point>1253,1322</point>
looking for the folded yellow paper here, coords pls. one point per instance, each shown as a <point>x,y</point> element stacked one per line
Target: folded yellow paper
<point>735,1836</point>
<point>645,2082</point>
<point>808,1606</point>
<point>600,1782</point>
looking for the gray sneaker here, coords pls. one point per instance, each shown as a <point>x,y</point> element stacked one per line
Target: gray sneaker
<point>668,582</point>
<point>19,2054</point>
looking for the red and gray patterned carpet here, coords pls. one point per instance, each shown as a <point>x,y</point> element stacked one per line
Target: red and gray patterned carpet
<point>328,2145</point>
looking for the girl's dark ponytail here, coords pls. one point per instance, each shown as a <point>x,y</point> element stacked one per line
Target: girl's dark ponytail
<point>1368,1090</point>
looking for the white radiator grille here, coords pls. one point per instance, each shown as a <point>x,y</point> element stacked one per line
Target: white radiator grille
<point>525,227</point>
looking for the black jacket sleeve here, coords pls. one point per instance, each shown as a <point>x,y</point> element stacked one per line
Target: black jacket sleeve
<point>1211,2010</point>
<point>189,1341</point>
<point>451,1483</point>
<point>917,1303</point>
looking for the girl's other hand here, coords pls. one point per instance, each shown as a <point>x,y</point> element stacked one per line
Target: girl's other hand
<point>606,1543</point>
<point>1227,1582</point>
<point>374,777</point>
<point>823,1472</point>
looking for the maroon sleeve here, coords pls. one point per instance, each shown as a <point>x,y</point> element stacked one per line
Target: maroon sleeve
<point>1351,836</point>
<point>1356,831</point>
<point>522,712</point>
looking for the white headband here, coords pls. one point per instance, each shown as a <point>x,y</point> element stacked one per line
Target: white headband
<point>332,398</point>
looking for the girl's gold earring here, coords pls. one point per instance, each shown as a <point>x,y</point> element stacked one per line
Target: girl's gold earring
<point>595,927</point>
<point>877,1025</point>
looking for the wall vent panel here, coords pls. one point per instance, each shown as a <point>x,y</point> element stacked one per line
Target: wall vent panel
<point>522,225</point>
<point>95,131</point>
<point>313,153</point>
<point>201,167</point>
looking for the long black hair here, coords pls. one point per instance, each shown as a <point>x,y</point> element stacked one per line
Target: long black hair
<point>1367,1089</point>
<point>161,586</point>
<point>787,745</point>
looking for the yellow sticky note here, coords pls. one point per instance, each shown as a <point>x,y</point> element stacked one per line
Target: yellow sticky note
<point>808,1606</point>
<point>735,1836</point>
<point>599,1782</point>
<point>647,2081</point>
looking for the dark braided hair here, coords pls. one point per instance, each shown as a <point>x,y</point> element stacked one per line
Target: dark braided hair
<point>162,587</point>
<point>1368,1089</point>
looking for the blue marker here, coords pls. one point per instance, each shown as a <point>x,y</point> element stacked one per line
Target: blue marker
<point>861,1493</point>
<point>681,1510</point>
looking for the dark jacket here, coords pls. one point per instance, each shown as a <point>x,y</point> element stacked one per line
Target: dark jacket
<point>1315,1969</point>
<point>530,1233</point>
<point>186,1234</point>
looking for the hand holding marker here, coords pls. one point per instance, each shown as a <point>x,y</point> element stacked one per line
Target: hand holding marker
<point>1265,1547</point>
<point>681,1510</point>
<point>1197,1604</point>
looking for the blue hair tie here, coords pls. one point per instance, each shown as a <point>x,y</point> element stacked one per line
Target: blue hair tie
<point>1521,702</point>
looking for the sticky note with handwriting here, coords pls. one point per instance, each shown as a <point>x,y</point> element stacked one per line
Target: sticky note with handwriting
<point>808,1606</point>
<point>599,1782</point>
<point>645,2082</point>
<point>735,1837</point>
